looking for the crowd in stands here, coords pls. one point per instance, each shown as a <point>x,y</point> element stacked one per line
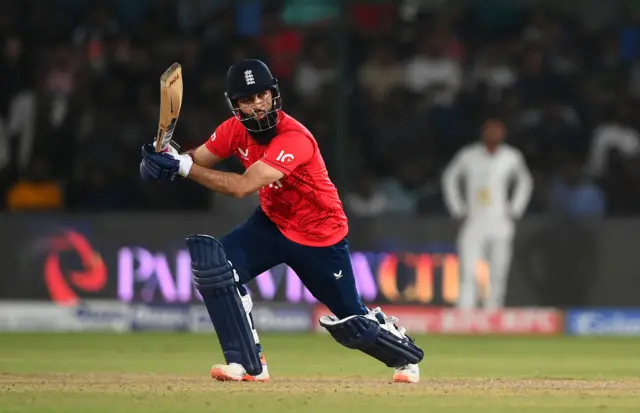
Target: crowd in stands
<point>80,93</point>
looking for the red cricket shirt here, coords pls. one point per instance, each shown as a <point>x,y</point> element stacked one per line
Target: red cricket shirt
<point>304,204</point>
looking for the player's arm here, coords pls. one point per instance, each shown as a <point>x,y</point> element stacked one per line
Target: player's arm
<point>451,185</point>
<point>255,177</point>
<point>524,187</point>
<point>202,156</point>
<point>285,153</point>
<point>216,149</point>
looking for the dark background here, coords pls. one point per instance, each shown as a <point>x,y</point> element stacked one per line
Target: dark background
<point>80,94</point>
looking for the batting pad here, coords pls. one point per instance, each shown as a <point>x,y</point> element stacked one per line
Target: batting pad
<point>367,335</point>
<point>214,277</point>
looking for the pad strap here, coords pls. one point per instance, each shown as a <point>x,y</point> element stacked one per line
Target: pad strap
<point>366,334</point>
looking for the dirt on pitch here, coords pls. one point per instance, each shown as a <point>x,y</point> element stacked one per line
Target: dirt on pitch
<point>115,383</point>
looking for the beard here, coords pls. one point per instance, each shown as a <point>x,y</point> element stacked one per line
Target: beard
<point>263,137</point>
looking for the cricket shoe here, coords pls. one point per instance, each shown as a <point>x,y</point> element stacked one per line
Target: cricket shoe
<point>407,374</point>
<point>235,372</point>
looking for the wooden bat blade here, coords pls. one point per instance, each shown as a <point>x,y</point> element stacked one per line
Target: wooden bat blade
<point>171,90</point>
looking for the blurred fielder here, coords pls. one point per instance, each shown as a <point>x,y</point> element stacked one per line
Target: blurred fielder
<point>487,216</point>
<point>300,222</point>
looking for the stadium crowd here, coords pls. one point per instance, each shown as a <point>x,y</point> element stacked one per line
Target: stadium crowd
<point>80,95</point>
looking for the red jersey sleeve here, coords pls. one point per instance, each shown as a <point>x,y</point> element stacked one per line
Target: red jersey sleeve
<point>219,143</point>
<point>288,151</point>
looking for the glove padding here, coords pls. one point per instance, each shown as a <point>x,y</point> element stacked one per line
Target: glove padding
<point>158,166</point>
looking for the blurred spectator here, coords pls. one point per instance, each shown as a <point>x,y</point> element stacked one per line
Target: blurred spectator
<point>405,189</point>
<point>304,12</point>
<point>315,71</point>
<point>98,187</point>
<point>493,71</point>
<point>394,128</point>
<point>281,44</point>
<point>17,109</point>
<point>574,195</point>
<point>375,19</point>
<point>193,14</point>
<point>536,83</point>
<point>36,191</point>
<point>381,72</point>
<point>414,77</point>
<point>432,73</point>
<point>366,200</point>
<point>617,134</point>
<point>91,38</point>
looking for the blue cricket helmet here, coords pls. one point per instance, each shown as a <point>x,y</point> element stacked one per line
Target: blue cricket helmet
<point>245,79</point>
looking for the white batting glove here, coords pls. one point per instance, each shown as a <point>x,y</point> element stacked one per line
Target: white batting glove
<point>186,162</point>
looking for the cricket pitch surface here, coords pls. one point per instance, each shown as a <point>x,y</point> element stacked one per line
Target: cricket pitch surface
<point>152,372</point>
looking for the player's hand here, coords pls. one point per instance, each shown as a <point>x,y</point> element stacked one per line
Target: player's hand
<point>185,162</point>
<point>185,159</point>
<point>158,166</point>
<point>170,148</point>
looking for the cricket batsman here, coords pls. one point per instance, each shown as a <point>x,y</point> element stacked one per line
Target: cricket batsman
<point>486,214</point>
<point>300,222</point>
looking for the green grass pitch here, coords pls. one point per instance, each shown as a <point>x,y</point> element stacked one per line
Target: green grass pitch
<point>161,373</point>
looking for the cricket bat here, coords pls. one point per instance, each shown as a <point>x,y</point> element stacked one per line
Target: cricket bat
<point>170,103</point>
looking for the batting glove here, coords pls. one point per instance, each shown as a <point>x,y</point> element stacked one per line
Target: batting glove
<point>186,162</point>
<point>157,166</point>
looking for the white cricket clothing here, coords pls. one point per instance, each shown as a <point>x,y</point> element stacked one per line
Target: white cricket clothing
<point>611,136</point>
<point>488,229</point>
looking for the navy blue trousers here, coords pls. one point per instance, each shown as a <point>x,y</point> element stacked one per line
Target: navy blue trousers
<point>257,245</point>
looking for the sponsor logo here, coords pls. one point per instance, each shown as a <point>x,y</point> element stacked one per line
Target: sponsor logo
<point>174,80</point>
<point>199,320</point>
<point>160,317</point>
<point>395,278</point>
<point>603,322</point>
<point>281,318</point>
<point>102,315</point>
<point>267,317</point>
<point>35,316</point>
<point>285,157</point>
<point>64,283</point>
<point>507,321</point>
<point>422,320</point>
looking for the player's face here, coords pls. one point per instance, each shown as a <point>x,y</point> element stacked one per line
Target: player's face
<point>493,133</point>
<point>257,105</point>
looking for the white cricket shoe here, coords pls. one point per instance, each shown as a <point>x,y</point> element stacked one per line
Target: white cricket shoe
<point>407,374</point>
<point>235,372</point>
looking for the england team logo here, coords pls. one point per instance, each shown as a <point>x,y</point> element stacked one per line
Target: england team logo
<point>248,77</point>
